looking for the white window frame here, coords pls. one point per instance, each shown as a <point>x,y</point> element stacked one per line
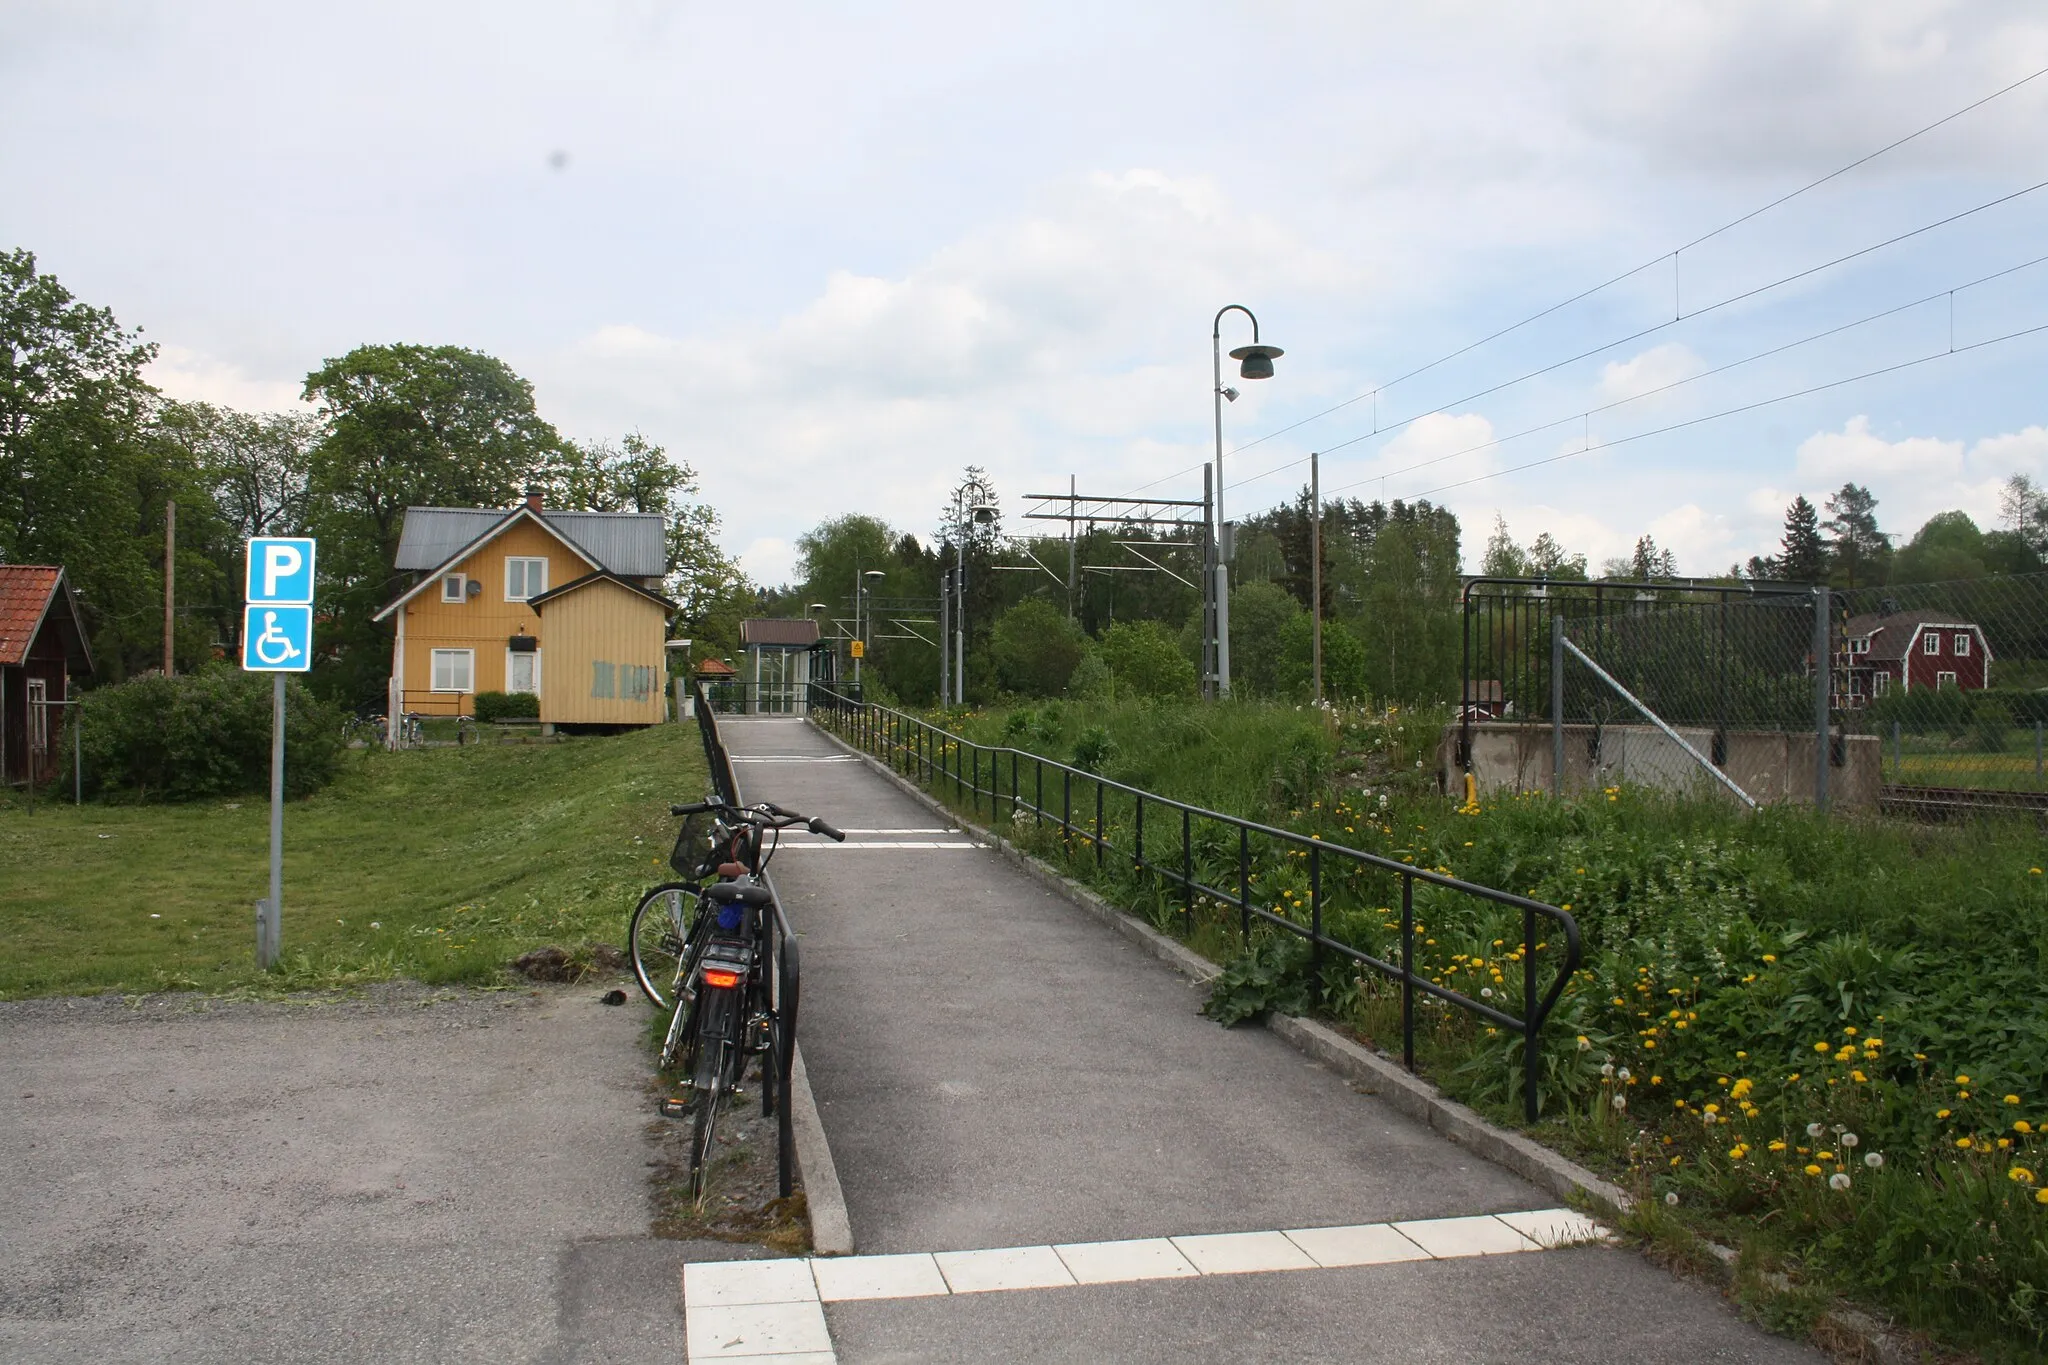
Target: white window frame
<point>528,561</point>
<point>1880,683</point>
<point>1945,679</point>
<point>1962,644</point>
<point>460,582</point>
<point>38,718</point>
<point>1930,643</point>
<point>532,654</point>
<point>467,682</point>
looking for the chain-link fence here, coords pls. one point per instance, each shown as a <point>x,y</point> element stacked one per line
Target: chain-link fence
<point>1950,680</point>
<point>1914,696</point>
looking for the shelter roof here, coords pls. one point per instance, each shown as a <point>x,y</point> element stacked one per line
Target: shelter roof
<point>787,632</point>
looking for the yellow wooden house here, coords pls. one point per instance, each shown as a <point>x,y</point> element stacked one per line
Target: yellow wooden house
<point>564,605</point>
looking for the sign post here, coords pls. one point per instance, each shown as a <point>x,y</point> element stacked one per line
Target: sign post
<point>277,638</point>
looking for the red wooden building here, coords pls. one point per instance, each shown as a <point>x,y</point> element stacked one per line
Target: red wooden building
<point>1914,651</point>
<point>42,645</point>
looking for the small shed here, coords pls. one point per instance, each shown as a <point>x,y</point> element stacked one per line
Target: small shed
<point>42,647</point>
<point>780,655</point>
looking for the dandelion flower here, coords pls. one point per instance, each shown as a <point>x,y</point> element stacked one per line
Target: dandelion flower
<point>1815,1129</point>
<point>1942,1113</point>
<point>1584,1042</point>
<point>2012,1099</point>
<point>2020,1174</point>
<point>1607,1068</point>
<point>1839,1180</point>
<point>1821,1046</point>
<point>1812,1170</point>
<point>2041,1195</point>
<point>1777,1146</point>
<point>1962,1080</point>
<point>1850,1140</point>
<point>1622,1075</point>
<point>1963,1143</point>
<point>1873,1160</point>
<point>1770,957</point>
<point>2022,1126</point>
<point>1672,1198</point>
<point>1621,1101</point>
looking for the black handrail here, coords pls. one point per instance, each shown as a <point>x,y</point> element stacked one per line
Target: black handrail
<point>916,748</point>
<point>775,1097</point>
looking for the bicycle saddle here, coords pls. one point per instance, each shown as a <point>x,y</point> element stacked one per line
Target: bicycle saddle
<point>746,893</point>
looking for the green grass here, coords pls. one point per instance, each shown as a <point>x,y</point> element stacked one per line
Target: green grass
<point>438,864</point>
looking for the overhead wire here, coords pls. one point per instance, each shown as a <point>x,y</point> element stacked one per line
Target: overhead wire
<point>1671,255</point>
<point>1592,412</point>
<point>1659,259</point>
<point>1734,411</point>
<point>1648,331</point>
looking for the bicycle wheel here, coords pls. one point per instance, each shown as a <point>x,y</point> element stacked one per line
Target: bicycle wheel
<point>660,924</point>
<point>704,1127</point>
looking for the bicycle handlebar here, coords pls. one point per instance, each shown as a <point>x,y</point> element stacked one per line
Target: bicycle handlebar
<point>767,816</point>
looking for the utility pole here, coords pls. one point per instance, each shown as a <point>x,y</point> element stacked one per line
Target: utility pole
<point>170,581</point>
<point>1073,574</point>
<point>1315,555</point>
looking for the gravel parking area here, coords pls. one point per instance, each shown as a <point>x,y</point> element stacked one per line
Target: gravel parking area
<point>405,1175</point>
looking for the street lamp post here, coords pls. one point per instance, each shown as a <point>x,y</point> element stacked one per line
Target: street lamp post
<point>1257,363</point>
<point>860,634</point>
<point>964,516</point>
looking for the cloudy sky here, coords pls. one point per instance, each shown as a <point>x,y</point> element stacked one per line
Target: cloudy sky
<point>830,254</point>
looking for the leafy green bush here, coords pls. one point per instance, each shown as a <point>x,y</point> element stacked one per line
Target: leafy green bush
<point>1146,661</point>
<point>1924,711</point>
<point>202,735</point>
<point>492,706</point>
<point>1035,648</point>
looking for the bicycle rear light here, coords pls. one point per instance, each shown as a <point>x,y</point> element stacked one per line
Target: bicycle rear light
<point>721,977</point>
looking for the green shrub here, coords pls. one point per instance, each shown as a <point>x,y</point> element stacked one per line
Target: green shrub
<point>1924,711</point>
<point>1146,661</point>
<point>1035,648</point>
<point>492,706</point>
<point>202,735</point>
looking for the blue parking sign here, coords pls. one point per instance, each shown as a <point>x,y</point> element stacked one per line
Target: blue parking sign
<point>277,638</point>
<point>281,570</point>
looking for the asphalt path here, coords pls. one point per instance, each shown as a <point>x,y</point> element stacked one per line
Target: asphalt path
<point>995,1068</point>
<point>414,1175</point>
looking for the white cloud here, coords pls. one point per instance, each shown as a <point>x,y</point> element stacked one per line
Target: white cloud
<point>192,377</point>
<point>1652,370</point>
<point>1856,454</point>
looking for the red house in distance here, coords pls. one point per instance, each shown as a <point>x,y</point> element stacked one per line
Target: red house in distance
<point>1911,650</point>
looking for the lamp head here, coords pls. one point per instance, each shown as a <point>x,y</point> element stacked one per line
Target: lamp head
<point>983,513</point>
<point>819,606</point>
<point>1229,394</point>
<point>873,573</point>
<point>1257,360</point>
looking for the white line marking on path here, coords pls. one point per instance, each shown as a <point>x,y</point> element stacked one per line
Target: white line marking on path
<point>755,1312</point>
<point>881,843</point>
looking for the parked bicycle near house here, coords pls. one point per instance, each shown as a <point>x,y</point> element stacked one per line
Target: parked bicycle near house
<point>701,950</point>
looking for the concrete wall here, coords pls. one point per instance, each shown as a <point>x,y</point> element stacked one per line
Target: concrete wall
<point>1770,765</point>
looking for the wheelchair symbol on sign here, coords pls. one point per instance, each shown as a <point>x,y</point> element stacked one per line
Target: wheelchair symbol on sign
<point>273,646</point>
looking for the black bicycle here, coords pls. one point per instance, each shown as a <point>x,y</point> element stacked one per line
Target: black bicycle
<point>701,950</point>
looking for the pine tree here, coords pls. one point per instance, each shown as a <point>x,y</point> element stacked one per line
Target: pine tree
<point>1649,563</point>
<point>1804,555</point>
<point>1859,549</point>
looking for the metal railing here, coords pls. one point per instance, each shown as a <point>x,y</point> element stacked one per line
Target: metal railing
<point>775,1094</point>
<point>944,762</point>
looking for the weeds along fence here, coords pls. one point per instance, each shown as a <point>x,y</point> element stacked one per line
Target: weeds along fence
<point>1929,697</point>
<point>776,1097</point>
<point>1338,900</point>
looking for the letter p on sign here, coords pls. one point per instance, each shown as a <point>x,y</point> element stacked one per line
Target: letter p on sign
<point>281,571</point>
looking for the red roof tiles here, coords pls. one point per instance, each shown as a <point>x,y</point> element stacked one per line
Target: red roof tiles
<point>25,591</point>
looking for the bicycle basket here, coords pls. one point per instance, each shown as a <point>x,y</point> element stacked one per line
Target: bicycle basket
<point>694,856</point>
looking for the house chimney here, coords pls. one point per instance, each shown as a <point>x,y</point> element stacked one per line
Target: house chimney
<point>533,498</point>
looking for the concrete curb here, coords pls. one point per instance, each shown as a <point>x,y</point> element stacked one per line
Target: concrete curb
<point>1372,1073</point>
<point>825,1202</point>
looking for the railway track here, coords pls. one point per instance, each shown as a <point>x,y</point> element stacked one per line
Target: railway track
<point>1941,803</point>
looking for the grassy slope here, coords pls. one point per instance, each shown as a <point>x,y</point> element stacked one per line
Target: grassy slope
<point>462,858</point>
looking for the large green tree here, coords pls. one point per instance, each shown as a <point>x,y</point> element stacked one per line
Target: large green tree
<point>1802,554</point>
<point>1035,648</point>
<point>1858,549</point>
<point>83,483</point>
<point>406,426</point>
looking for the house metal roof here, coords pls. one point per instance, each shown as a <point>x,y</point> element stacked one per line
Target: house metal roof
<point>630,544</point>
<point>1890,636</point>
<point>27,594</point>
